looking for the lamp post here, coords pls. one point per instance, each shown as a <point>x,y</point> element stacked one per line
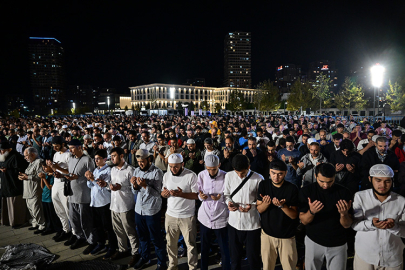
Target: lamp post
<point>377,76</point>
<point>285,103</point>
<point>108,103</point>
<point>74,107</point>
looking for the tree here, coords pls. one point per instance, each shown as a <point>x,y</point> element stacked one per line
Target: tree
<point>204,105</point>
<point>300,96</point>
<point>126,108</point>
<point>191,106</point>
<point>267,96</point>
<point>321,89</point>
<point>217,107</point>
<point>236,101</point>
<point>133,107</point>
<point>395,96</point>
<point>350,97</point>
<point>179,105</point>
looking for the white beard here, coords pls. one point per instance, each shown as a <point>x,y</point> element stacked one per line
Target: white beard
<point>4,156</point>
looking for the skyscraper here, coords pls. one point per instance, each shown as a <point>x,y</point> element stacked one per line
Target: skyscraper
<point>286,75</point>
<point>326,68</point>
<point>47,73</point>
<point>237,60</point>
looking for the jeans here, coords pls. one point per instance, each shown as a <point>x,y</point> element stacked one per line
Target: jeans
<point>149,229</point>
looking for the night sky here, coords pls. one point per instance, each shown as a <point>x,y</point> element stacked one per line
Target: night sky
<point>121,45</point>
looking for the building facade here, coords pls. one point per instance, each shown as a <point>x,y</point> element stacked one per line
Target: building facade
<point>327,68</point>
<point>238,60</point>
<point>84,96</point>
<point>286,75</point>
<point>170,95</point>
<point>47,73</point>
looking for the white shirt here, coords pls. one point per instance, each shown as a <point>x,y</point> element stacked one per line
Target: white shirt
<point>148,146</point>
<point>108,147</point>
<point>62,159</point>
<point>381,247</point>
<point>122,200</point>
<point>245,221</point>
<point>180,207</point>
<point>20,146</point>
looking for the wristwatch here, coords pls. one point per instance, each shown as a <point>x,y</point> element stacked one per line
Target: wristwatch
<point>280,206</point>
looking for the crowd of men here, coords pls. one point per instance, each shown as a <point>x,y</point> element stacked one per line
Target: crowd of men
<point>245,183</point>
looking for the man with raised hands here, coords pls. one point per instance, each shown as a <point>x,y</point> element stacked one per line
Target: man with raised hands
<point>180,189</point>
<point>326,211</point>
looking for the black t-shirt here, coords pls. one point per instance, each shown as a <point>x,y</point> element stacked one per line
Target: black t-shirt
<point>274,221</point>
<point>325,229</point>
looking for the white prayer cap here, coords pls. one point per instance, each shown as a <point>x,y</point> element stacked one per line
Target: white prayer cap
<point>211,161</point>
<point>86,137</point>
<point>64,126</point>
<point>381,170</point>
<point>175,158</point>
<point>311,140</point>
<point>190,141</point>
<point>90,126</point>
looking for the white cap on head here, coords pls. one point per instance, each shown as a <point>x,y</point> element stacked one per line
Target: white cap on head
<point>190,141</point>
<point>64,126</point>
<point>381,170</point>
<point>211,161</point>
<point>175,158</point>
<point>311,140</point>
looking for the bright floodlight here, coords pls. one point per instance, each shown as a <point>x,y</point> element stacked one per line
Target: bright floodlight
<point>74,105</point>
<point>172,89</point>
<point>377,75</point>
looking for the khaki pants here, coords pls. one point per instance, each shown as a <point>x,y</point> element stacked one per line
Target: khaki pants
<point>285,247</point>
<point>359,264</point>
<point>124,226</point>
<point>34,205</point>
<point>188,227</point>
<point>13,211</point>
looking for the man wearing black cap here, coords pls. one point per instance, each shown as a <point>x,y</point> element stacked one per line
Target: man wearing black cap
<point>12,163</point>
<point>80,214</point>
<point>60,164</point>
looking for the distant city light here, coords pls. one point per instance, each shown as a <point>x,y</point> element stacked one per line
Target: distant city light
<point>45,38</point>
<point>377,75</point>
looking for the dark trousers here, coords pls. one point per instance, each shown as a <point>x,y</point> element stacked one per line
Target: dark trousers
<point>81,220</point>
<point>222,237</point>
<point>149,229</point>
<point>103,223</point>
<point>249,239</point>
<point>52,221</point>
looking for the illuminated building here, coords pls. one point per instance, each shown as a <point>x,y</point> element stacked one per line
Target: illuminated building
<point>286,75</point>
<point>324,67</point>
<point>167,95</point>
<point>237,60</point>
<point>47,74</point>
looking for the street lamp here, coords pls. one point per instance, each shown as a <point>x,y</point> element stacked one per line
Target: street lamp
<point>108,102</point>
<point>74,107</point>
<point>285,103</point>
<point>377,76</point>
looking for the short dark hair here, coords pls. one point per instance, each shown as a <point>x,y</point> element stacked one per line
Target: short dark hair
<point>230,138</point>
<point>289,139</point>
<point>271,144</point>
<point>117,138</point>
<point>161,136</point>
<point>347,144</point>
<point>102,153</point>
<point>278,165</point>
<point>337,136</point>
<point>306,135</point>
<point>325,169</point>
<point>381,139</point>
<point>118,150</point>
<point>371,131</point>
<point>98,135</point>
<point>252,139</point>
<point>396,133</point>
<point>240,162</point>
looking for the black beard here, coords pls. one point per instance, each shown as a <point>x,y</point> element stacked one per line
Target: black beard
<point>276,183</point>
<point>213,176</point>
<point>146,168</point>
<point>177,174</point>
<point>379,193</point>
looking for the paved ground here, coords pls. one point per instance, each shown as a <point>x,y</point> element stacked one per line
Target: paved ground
<point>9,236</point>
